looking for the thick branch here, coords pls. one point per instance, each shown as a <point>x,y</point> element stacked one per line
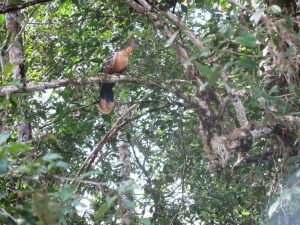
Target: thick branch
<point>260,157</point>
<point>13,7</point>
<point>40,86</point>
<point>236,101</point>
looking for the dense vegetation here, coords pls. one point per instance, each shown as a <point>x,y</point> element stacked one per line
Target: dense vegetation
<point>206,125</point>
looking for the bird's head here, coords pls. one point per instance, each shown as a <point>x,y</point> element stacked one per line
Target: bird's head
<point>134,43</point>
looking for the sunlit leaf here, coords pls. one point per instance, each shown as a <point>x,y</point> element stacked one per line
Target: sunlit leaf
<point>275,9</point>
<point>105,207</point>
<point>204,52</point>
<point>2,18</point>
<point>14,147</point>
<point>123,94</point>
<point>8,68</point>
<point>212,73</point>
<point>62,164</point>
<point>247,40</point>
<point>51,157</point>
<point>25,169</point>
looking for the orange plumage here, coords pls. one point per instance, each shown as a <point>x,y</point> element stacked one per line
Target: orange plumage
<point>116,63</point>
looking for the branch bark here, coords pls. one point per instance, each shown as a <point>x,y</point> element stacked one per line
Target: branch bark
<point>40,86</point>
<point>17,59</point>
<point>236,101</point>
<point>126,213</point>
<point>101,77</point>
<point>4,8</point>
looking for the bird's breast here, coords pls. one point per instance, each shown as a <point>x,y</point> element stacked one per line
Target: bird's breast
<point>121,63</point>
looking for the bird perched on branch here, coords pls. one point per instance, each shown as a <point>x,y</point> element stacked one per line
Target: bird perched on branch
<point>117,62</point>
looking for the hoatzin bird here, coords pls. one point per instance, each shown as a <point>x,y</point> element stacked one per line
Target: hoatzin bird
<point>117,62</point>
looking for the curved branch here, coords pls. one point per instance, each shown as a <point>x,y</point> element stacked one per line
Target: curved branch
<point>13,7</point>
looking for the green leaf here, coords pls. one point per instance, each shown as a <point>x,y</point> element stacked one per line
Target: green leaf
<point>105,207</point>
<point>212,74</point>
<point>14,147</point>
<point>275,9</point>
<point>46,209</point>
<point>3,137</point>
<point>126,187</point>
<point>247,40</point>
<point>123,94</point>
<point>171,39</point>
<point>273,90</point>
<point>24,169</point>
<point>66,192</point>
<point>159,133</point>
<point>248,63</point>
<point>2,18</point>
<point>128,204</point>
<point>3,165</point>
<point>51,157</point>
<point>245,212</point>
<point>8,68</point>
<point>145,221</point>
<point>101,211</point>
<point>204,52</point>
<point>62,164</point>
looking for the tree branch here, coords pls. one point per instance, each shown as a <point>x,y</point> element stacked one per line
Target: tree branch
<point>13,7</point>
<point>117,126</point>
<point>102,77</point>
<point>236,101</point>
<point>184,27</point>
<point>40,86</point>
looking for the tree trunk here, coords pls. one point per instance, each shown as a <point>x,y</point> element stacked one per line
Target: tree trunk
<point>126,212</point>
<point>17,58</point>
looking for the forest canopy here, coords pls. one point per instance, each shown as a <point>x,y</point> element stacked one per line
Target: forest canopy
<point>205,126</point>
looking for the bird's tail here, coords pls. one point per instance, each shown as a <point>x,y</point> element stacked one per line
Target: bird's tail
<point>106,102</point>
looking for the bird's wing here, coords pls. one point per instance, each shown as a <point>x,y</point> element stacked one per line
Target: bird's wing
<point>108,64</point>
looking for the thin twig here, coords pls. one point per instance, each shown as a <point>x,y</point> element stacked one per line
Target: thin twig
<point>5,213</point>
